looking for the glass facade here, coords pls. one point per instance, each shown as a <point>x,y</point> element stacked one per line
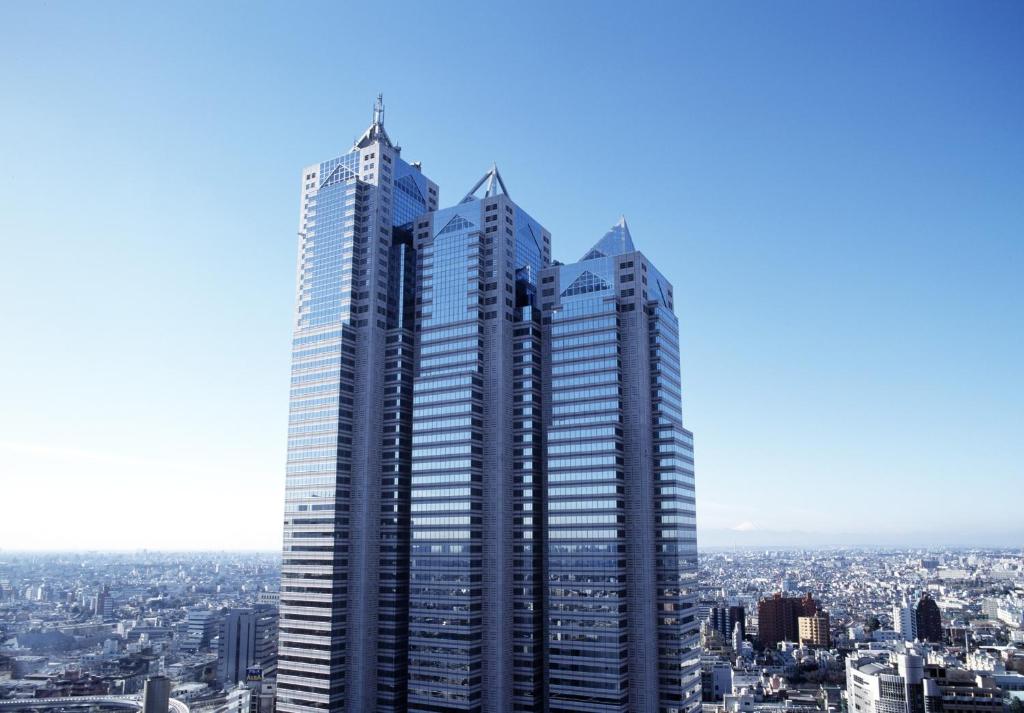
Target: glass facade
<point>675,511</point>
<point>445,589</point>
<point>314,576</point>
<point>587,604</point>
<point>489,493</point>
<point>619,494</point>
<point>346,531</point>
<point>475,638</point>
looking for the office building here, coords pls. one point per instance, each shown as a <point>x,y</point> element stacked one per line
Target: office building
<point>344,576</point>
<point>715,679</point>
<point>778,618</point>
<point>737,638</point>
<point>247,643</point>
<point>440,554</point>
<point>475,640</point>
<point>622,630</point>
<point>726,619</point>
<point>902,683</point>
<point>875,685</point>
<point>104,604</point>
<point>202,625</point>
<point>156,694</point>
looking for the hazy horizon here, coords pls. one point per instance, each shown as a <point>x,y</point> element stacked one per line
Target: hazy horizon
<point>706,540</point>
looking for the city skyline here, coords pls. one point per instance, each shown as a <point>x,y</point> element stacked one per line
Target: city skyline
<point>850,315</point>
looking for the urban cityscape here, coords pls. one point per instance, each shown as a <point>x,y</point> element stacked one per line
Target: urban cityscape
<point>530,460</point>
<point>804,630</point>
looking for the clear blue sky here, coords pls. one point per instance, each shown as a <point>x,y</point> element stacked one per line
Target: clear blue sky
<point>835,189</point>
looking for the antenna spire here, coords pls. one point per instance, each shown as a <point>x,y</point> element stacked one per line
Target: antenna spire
<point>376,132</point>
<point>495,186</point>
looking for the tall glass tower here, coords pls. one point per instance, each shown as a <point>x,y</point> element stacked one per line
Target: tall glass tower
<point>475,630</point>
<point>490,500</point>
<point>621,528</point>
<point>344,577</point>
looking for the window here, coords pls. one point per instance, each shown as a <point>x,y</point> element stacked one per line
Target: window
<point>587,282</point>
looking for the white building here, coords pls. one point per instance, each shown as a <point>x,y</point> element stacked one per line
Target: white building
<point>904,620</point>
<point>874,685</point>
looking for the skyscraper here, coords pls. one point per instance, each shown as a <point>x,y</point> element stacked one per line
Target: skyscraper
<point>344,574</point>
<point>490,500</point>
<point>620,530</point>
<point>475,640</point>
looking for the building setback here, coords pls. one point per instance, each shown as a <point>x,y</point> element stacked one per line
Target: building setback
<point>490,500</point>
<point>621,542</point>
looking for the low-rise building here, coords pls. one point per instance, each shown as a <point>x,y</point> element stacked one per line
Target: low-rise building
<point>881,682</point>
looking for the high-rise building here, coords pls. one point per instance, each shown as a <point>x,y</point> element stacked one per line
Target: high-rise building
<point>490,500</point>
<point>928,620</point>
<point>726,619</point>
<point>344,575</point>
<point>475,625</point>
<point>104,604</point>
<point>620,529</point>
<point>813,630</point>
<point>778,618</point>
<point>789,583</point>
<point>247,640</point>
<point>737,639</point>
<point>156,694</point>
<point>904,620</point>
